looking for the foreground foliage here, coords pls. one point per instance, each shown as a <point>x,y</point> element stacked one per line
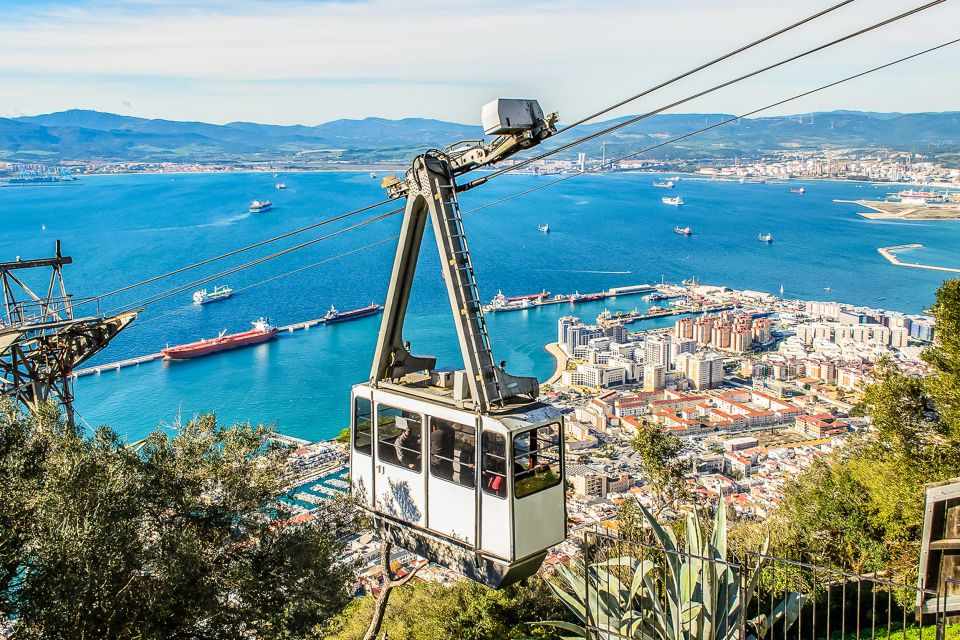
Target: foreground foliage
<point>861,508</point>
<point>179,539</point>
<point>461,611</point>
<point>676,593</point>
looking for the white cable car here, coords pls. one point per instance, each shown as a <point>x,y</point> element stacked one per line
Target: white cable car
<point>463,467</point>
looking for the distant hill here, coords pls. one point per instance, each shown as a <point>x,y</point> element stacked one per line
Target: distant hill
<point>92,135</point>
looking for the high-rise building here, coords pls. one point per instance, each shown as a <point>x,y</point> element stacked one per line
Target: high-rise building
<point>761,330</point>
<point>741,338</point>
<point>683,328</point>
<point>657,351</point>
<point>682,345</point>
<point>704,371</point>
<point>702,330</point>
<point>720,336</point>
<point>654,377</point>
<point>563,328</point>
<point>616,332</point>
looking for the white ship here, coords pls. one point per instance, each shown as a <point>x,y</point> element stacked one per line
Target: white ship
<point>669,184</point>
<point>219,293</point>
<point>673,202</point>
<point>765,237</point>
<point>683,231</point>
<point>544,228</point>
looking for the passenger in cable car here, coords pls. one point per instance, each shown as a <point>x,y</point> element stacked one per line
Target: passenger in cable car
<point>466,469</point>
<point>441,450</point>
<point>407,444</point>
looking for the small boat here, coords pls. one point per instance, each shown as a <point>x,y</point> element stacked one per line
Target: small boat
<point>219,293</point>
<point>673,202</point>
<point>544,228</point>
<point>826,288</point>
<point>43,227</point>
<point>280,185</point>
<point>690,282</point>
<point>669,184</point>
<point>683,231</point>
<point>781,289</point>
<point>800,191</point>
<point>765,237</point>
<point>333,315</point>
<point>373,174</point>
<point>258,206</point>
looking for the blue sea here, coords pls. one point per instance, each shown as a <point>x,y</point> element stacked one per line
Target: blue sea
<point>606,231</point>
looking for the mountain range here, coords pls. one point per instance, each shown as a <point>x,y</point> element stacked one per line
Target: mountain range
<point>83,135</point>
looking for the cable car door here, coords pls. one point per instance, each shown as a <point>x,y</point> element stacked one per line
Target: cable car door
<point>451,494</point>
<point>400,490</point>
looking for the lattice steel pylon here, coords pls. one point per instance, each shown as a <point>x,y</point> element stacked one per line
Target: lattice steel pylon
<point>41,341</point>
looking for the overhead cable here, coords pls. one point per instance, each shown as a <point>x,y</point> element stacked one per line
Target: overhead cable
<point>620,125</point>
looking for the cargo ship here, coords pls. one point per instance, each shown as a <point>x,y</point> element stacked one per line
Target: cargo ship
<point>205,297</point>
<point>333,315</point>
<point>260,205</point>
<point>262,331</point>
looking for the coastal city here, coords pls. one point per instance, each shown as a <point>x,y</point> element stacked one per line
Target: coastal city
<point>755,386</point>
<point>865,165</point>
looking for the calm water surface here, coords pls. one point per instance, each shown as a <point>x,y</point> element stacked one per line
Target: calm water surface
<point>606,231</point>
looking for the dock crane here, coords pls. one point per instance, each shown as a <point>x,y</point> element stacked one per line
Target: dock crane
<point>466,467</point>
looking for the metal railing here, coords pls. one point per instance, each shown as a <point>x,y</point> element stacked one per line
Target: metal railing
<point>637,590</point>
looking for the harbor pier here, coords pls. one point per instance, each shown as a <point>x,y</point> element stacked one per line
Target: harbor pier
<point>888,253</point>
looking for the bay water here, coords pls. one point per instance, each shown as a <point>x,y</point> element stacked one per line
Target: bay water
<point>606,231</point>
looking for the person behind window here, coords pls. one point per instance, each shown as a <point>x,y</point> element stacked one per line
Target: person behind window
<point>407,445</point>
<point>466,467</point>
<point>441,451</point>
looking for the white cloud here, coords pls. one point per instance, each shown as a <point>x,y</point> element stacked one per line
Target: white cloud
<point>303,61</point>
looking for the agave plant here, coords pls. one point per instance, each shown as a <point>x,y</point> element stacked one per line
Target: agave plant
<point>691,593</point>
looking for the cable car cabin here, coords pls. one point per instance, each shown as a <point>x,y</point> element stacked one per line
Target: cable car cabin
<point>463,467</point>
<point>480,494</point>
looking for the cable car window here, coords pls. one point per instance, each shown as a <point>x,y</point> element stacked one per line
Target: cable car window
<point>536,459</point>
<point>363,426</point>
<point>399,435</point>
<point>452,452</point>
<point>494,464</point>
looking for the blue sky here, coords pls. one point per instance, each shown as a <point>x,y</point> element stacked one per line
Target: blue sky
<point>309,61</point>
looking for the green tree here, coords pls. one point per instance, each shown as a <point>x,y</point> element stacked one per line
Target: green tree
<point>862,507</point>
<point>463,610</point>
<point>181,538</point>
<point>659,450</point>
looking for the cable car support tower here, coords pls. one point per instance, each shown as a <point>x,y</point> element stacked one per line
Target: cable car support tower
<point>41,340</point>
